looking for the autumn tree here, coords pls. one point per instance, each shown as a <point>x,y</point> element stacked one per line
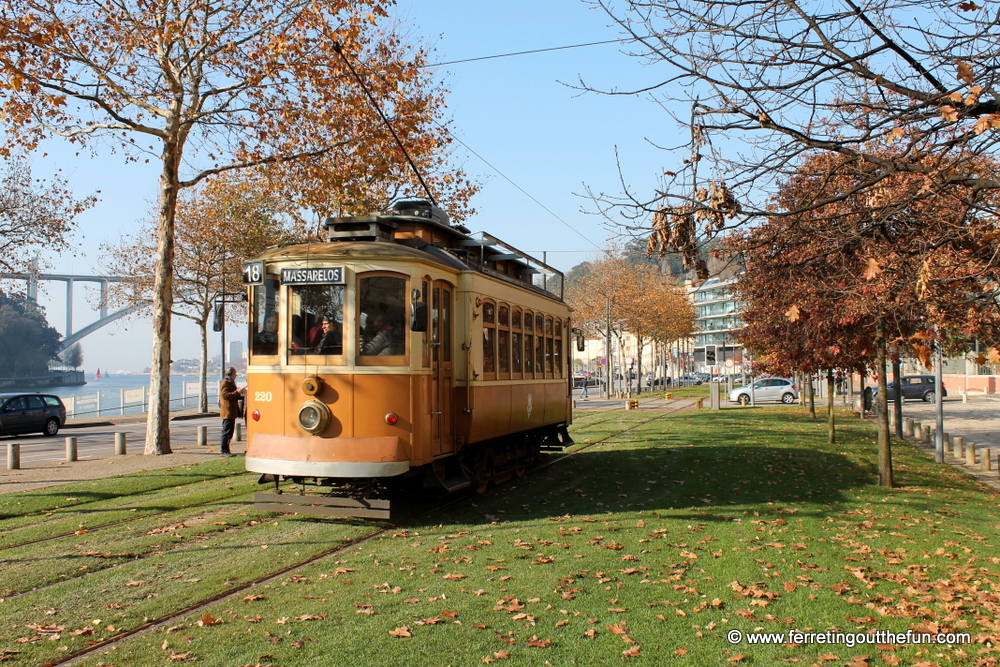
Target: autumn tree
<point>219,223</point>
<point>34,215</point>
<point>209,86</point>
<point>635,299</point>
<point>761,86</point>
<point>833,284</point>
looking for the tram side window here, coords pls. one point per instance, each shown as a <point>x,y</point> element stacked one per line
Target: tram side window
<point>515,342</point>
<point>264,318</point>
<point>316,325</point>
<point>548,345</point>
<point>503,340</point>
<point>529,345</point>
<point>539,346</point>
<point>557,350</point>
<point>381,301</point>
<point>489,340</point>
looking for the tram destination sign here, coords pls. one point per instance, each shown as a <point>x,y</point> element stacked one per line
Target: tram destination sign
<point>317,275</point>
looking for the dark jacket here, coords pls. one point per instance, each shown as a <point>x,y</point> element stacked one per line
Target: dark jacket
<point>229,399</point>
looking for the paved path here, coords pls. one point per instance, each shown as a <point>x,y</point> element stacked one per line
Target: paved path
<point>43,458</point>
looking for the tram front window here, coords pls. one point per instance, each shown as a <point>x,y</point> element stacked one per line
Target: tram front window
<point>316,319</point>
<point>264,318</point>
<point>381,301</point>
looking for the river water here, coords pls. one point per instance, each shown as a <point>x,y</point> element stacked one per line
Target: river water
<point>106,394</point>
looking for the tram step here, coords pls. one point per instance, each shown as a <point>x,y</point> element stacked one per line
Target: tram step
<point>364,508</point>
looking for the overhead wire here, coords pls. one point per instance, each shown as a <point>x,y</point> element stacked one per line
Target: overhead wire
<point>487,162</point>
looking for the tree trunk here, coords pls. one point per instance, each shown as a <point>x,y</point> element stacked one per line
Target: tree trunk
<point>203,368</point>
<point>831,429</point>
<point>158,420</point>
<point>882,414</point>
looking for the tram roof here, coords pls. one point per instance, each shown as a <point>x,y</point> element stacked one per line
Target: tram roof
<point>420,231</point>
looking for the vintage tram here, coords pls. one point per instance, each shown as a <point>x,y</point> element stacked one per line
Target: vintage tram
<point>401,351</point>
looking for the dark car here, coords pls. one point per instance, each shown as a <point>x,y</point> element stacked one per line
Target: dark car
<point>30,413</point>
<point>914,386</point>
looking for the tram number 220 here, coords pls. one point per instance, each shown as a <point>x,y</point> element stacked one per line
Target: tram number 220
<point>262,396</point>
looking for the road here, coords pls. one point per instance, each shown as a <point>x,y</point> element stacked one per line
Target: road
<point>98,441</point>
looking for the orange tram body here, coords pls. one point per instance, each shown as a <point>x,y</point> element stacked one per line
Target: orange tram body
<point>400,351</point>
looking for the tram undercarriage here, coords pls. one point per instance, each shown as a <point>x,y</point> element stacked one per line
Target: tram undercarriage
<point>476,467</point>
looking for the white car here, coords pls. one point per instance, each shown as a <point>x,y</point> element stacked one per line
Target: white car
<point>766,389</point>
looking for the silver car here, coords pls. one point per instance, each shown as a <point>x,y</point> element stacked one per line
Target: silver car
<point>766,389</point>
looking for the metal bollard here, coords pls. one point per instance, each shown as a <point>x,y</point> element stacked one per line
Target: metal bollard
<point>926,435</point>
<point>70,449</point>
<point>13,456</point>
<point>202,436</point>
<point>959,446</point>
<point>239,428</point>
<point>120,444</point>
<point>917,430</point>
<point>907,427</point>
<point>970,454</point>
<point>987,459</point>
<point>947,443</point>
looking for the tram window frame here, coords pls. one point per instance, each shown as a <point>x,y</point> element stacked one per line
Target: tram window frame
<point>529,345</point>
<point>395,312</point>
<point>503,341</point>
<point>489,358</point>
<point>516,344</point>
<point>557,349</point>
<point>265,300</point>
<point>305,354</point>
<point>425,292</point>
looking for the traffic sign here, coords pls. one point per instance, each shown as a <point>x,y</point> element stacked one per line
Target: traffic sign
<point>604,361</point>
<point>629,361</point>
<point>729,363</point>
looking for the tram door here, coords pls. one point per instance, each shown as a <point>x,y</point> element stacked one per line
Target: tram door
<point>441,367</point>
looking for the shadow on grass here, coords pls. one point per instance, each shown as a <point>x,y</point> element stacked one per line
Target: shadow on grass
<point>713,482</point>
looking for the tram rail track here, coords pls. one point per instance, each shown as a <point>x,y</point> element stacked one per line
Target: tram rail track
<point>383,529</point>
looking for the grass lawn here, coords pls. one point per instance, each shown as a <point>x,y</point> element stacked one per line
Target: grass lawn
<point>650,548</point>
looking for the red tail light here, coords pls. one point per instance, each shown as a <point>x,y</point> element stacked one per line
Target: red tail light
<point>795,387</point>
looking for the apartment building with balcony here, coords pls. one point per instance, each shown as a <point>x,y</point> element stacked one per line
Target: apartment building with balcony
<point>716,323</point>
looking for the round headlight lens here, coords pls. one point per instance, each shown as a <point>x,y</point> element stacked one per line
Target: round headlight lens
<point>314,416</point>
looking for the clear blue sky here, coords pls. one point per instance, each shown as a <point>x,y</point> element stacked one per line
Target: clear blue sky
<point>547,140</point>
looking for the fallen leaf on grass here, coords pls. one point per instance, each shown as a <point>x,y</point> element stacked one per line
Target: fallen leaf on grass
<point>590,633</point>
<point>632,652</point>
<point>681,651</point>
<point>207,620</point>
<point>618,629</point>
<point>453,577</point>
<point>736,658</point>
<point>251,598</point>
<point>401,632</point>
<point>535,642</point>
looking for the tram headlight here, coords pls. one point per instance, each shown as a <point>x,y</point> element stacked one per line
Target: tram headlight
<point>314,417</point>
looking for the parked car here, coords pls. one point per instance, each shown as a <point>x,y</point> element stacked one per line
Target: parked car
<point>766,389</point>
<point>30,413</point>
<point>688,380</point>
<point>913,386</point>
